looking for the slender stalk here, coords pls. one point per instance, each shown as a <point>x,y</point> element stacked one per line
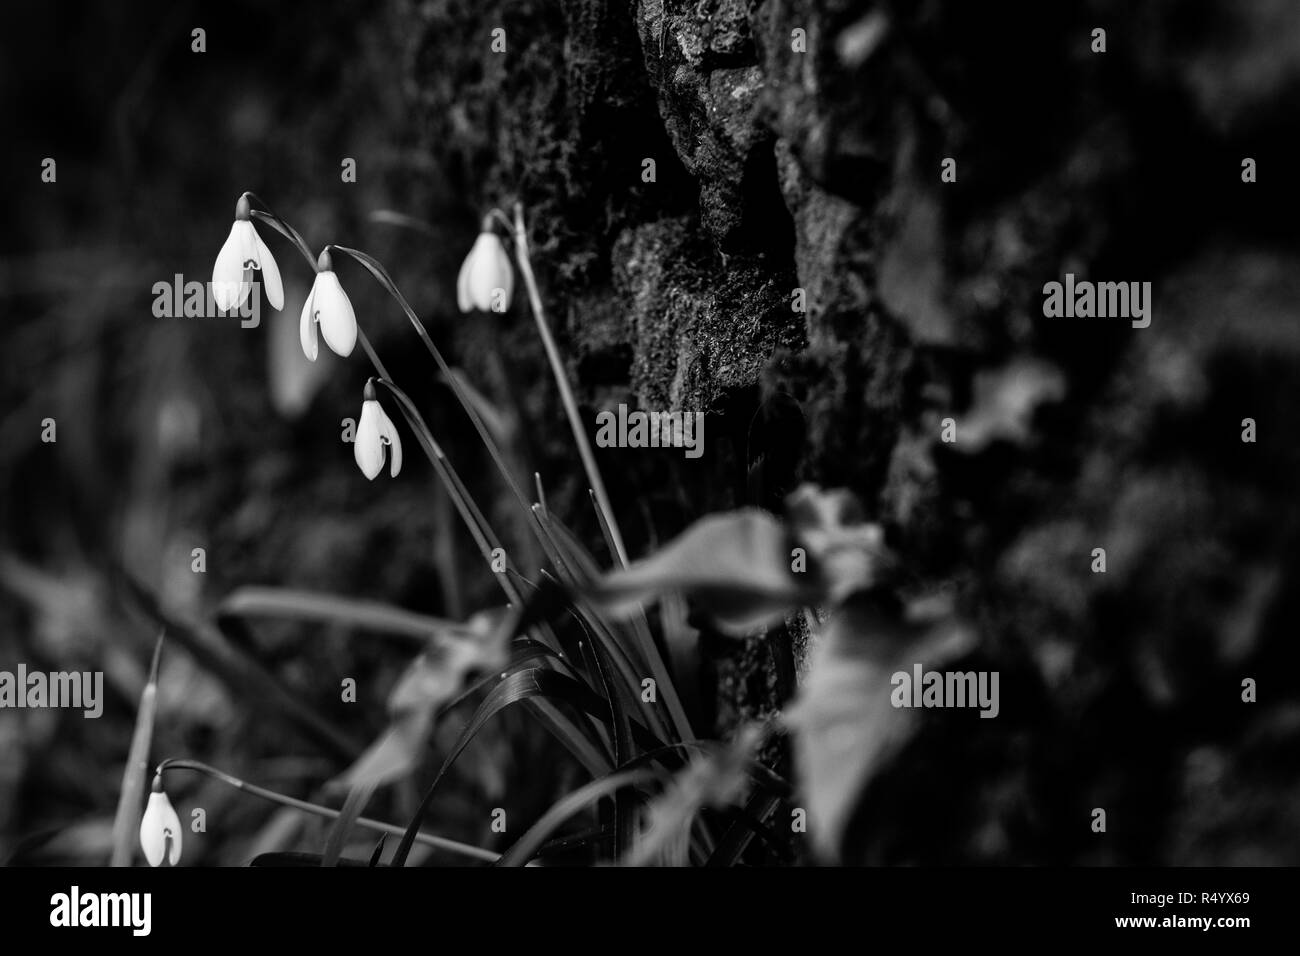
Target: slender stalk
<point>376,269</point>
<point>469,511</point>
<point>541,493</point>
<point>464,502</point>
<point>562,381</point>
<point>283,800</point>
<point>282,227</point>
<point>605,529</point>
<point>378,365</point>
<point>536,835</point>
<point>126,823</point>
<point>474,520</point>
<point>609,525</point>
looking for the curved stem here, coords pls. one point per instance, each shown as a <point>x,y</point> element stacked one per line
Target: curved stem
<point>566,393</point>
<point>374,360</point>
<point>609,525</point>
<point>428,839</point>
<point>283,228</point>
<point>536,835</point>
<point>376,269</point>
<point>502,218</point>
<point>469,511</point>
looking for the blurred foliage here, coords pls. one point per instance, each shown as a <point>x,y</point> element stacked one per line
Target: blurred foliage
<point>773,171</point>
<point>177,433</point>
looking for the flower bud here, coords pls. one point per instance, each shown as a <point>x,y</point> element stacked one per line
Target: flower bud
<point>242,254</point>
<point>329,308</point>
<point>375,431</point>
<point>486,280</point>
<point>160,828</point>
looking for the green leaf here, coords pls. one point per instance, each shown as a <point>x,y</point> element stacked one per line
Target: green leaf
<point>682,641</point>
<point>389,217</point>
<point>330,608</point>
<point>126,823</point>
<point>735,567</point>
<point>715,780</point>
<point>213,650</point>
<point>498,423</point>
<point>516,686</point>
<point>624,704</point>
<point>430,682</point>
<point>295,859</point>
<point>750,822</point>
<point>632,653</point>
<point>640,637</point>
<point>533,839</point>
<point>357,799</point>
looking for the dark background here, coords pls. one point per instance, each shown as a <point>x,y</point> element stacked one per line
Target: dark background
<point>774,170</point>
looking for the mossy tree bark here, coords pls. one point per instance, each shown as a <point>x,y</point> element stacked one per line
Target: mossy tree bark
<point>797,145</point>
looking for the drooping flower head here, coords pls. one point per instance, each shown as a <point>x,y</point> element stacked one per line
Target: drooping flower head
<point>486,280</point>
<point>244,253</point>
<point>375,431</point>
<point>160,828</point>
<point>328,307</point>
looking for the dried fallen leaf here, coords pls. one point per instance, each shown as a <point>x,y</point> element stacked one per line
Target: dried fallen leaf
<point>844,726</point>
<point>716,779</point>
<point>433,679</point>
<point>735,567</point>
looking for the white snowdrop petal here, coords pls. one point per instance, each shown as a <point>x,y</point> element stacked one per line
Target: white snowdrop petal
<point>160,831</point>
<point>307,326</point>
<point>485,270</point>
<point>338,323</point>
<point>394,445</point>
<point>367,445</point>
<point>270,274</point>
<point>228,287</point>
<point>395,452</point>
<point>484,275</point>
<point>248,240</point>
<point>463,299</point>
<point>506,275</point>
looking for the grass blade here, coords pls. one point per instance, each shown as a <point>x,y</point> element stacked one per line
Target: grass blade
<point>316,809</point>
<point>246,678</point>
<point>357,799</point>
<point>516,686</point>
<point>349,612</point>
<point>291,858</point>
<point>578,557</point>
<point>750,822</point>
<point>527,845</point>
<point>126,823</point>
<point>377,270</point>
<point>562,383</point>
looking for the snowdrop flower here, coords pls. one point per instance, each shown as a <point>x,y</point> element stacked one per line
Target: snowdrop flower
<point>243,253</point>
<point>329,307</point>
<point>486,280</point>
<point>374,431</point>
<point>160,828</point>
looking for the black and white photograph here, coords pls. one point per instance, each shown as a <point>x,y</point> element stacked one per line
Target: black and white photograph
<point>781,435</point>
